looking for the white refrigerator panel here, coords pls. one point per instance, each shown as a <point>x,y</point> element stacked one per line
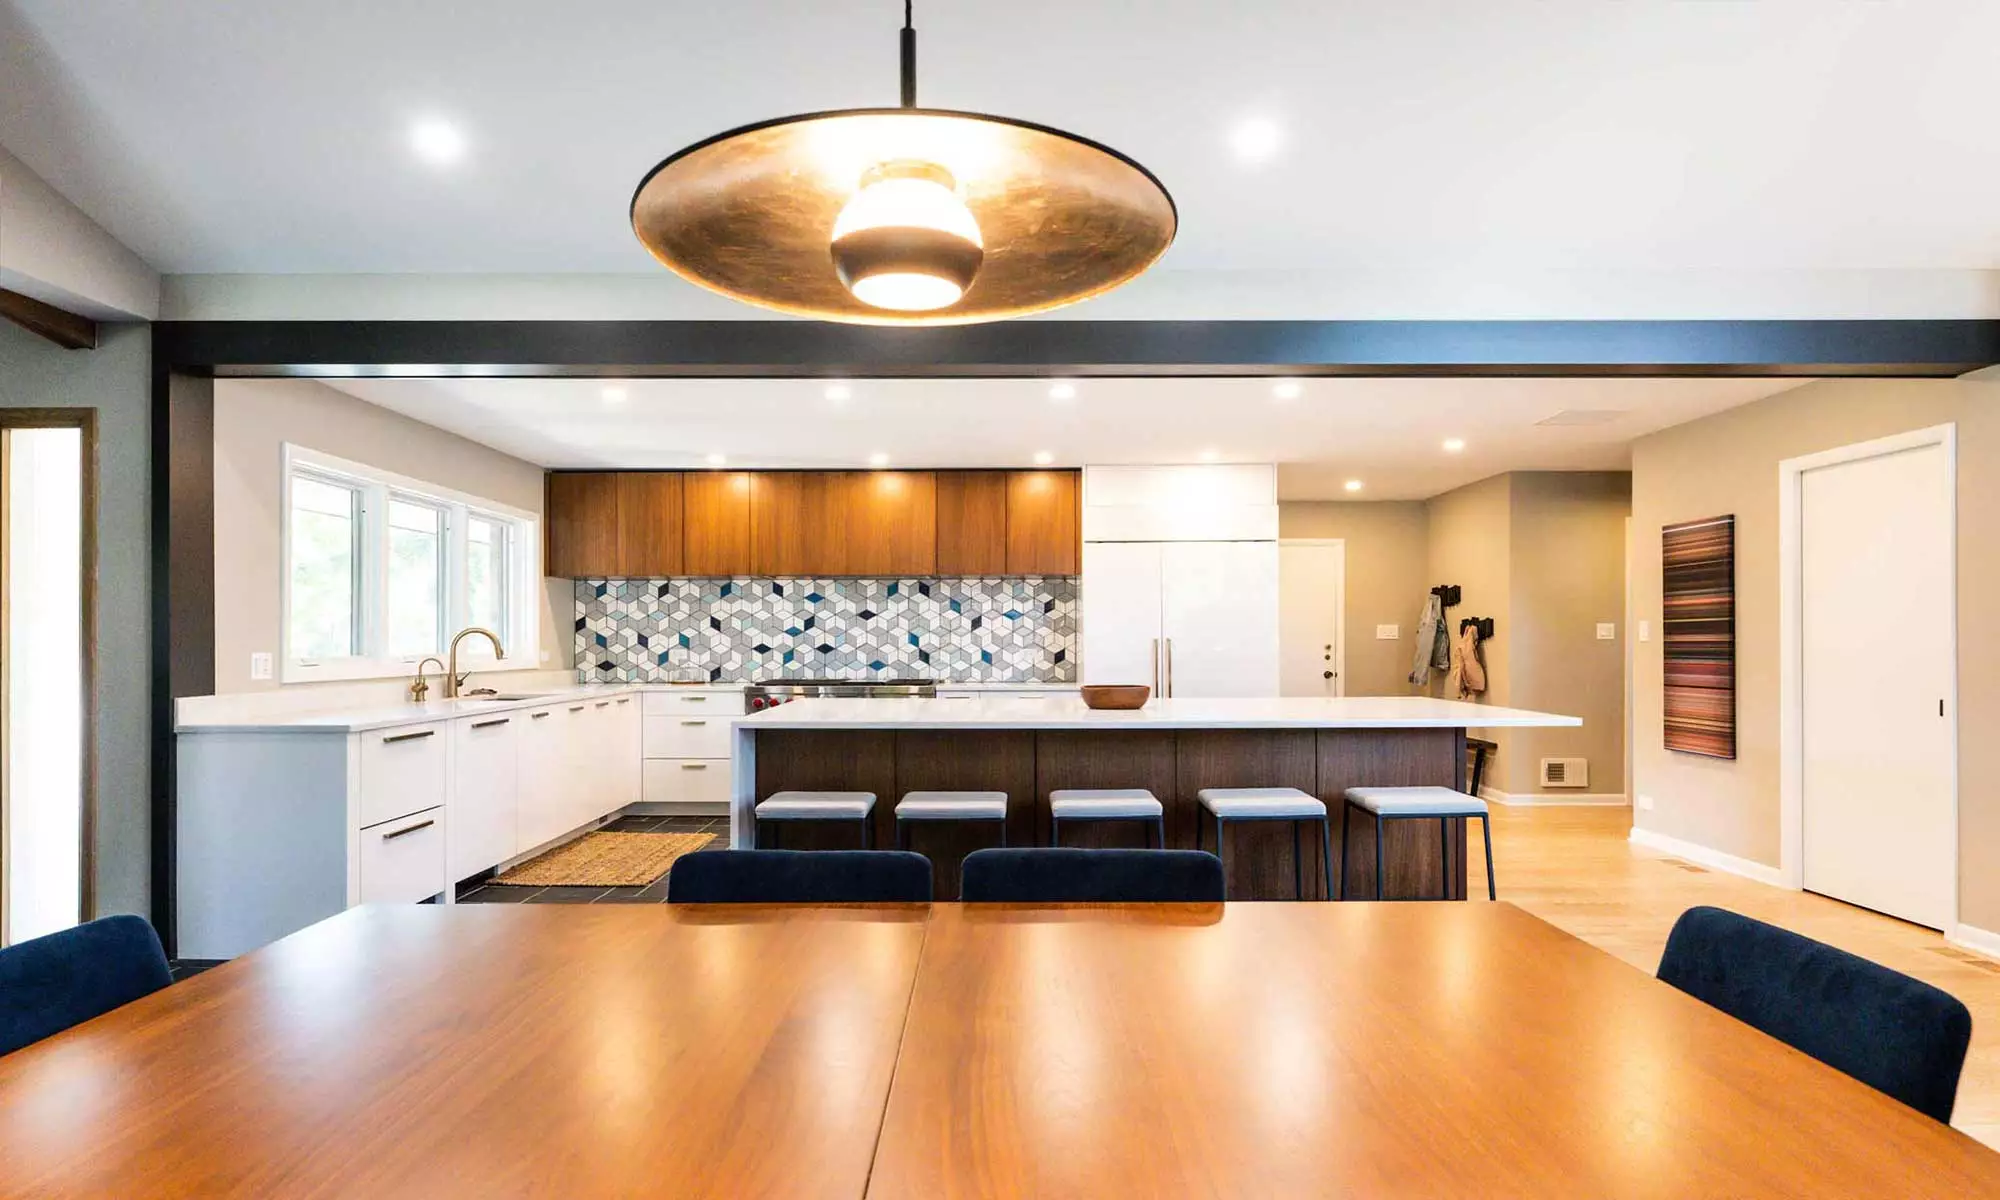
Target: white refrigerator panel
<point>1219,618</point>
<point>1120,630</point>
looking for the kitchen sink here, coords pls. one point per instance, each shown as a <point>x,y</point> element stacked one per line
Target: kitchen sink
<point>498,697</point>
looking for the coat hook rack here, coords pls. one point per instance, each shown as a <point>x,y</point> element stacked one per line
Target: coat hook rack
<point>1447,594</point>
<point>1483,624</point>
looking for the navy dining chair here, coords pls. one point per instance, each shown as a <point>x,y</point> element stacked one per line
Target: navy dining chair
<point>50,983</point>
<point>800,877</point>
<point>1898,1035</point>
<point>1066,875</point>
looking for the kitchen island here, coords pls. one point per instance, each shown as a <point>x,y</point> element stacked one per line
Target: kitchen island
<point>1031,747</point>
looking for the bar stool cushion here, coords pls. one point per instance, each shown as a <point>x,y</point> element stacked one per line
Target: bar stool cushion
<point>952,806</point>
<point>1265,802</point>
<point>1416,802</point>
<point>816,806</point>
<point>1103,804</point>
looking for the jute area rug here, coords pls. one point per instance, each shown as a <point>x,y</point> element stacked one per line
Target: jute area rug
<point>606,860</point>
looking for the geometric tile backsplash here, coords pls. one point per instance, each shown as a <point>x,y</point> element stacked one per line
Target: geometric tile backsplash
<point>1017,630</point>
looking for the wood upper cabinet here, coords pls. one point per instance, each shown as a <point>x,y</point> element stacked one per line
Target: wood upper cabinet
<point>649,524</point>
<point>972,523</point>
<point>581,524</point>
<point>890,522</point>
<point>1043,523</point>
<point>716,517</point>
<point>794,526</point>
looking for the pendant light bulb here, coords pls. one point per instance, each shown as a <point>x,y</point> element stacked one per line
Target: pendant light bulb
<point>905,241</point>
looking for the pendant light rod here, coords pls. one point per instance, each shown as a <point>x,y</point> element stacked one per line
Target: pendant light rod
<point>909,58</point>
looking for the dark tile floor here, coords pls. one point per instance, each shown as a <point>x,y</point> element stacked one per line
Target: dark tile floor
<point>653,893</point>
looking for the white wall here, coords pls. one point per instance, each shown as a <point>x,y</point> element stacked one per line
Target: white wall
<point>50,250</point>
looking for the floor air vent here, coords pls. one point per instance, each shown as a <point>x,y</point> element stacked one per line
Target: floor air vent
<point>1565,772</point>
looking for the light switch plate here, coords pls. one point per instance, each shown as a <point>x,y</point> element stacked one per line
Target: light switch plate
<point>1645,631</point>
<point>1607,631</point>
<point>545,656</point>
<point>1644,802</point>
<point>1388,633</point>
<point>260,665</point>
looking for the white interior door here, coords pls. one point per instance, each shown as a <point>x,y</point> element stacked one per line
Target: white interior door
<point>1120,634</point>
<point>1219,618</point>
<point>1312,591</point>
<point>1876,676</point>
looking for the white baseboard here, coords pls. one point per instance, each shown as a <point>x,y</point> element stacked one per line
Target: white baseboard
<point>1706,857</point>
<point>1971,937</point>
<point>1550,799</point>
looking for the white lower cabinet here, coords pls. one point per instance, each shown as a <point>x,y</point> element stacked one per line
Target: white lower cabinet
<point>402,861</point>
<point>686,781</point>
<point>686,747</point>
<point>544,772</point>
<point>485,793</point>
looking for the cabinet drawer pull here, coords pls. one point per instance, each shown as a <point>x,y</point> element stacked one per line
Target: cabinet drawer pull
<point>390,837</point>
<point>492,723</point>
<point>624,699</point>
<point>578,707</point>
<point>693,699</point>
<point>540,716</point>
<point>604,704</point>
<point>694,722</point>
<point>408,737</point>
<point>694,766</point>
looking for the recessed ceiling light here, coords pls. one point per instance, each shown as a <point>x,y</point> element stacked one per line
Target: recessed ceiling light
<point>1209,455</point>
<point>1062,391</point>
<point>1453,445</point>
<point>878,459</point>
<point>1043,458</point>
<point>838,392</point>
<point>614,395</point>
<point>1289,389</point>
<point>1352,485</point>
<point>1256,139</point>
<point>437,142</point>
<point>716,460</point>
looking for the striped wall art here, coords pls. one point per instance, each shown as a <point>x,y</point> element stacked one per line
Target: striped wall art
<point>1699,636</point>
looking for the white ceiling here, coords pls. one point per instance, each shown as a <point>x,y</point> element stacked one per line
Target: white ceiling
<point>1387,432</point>
<point>258,137</point>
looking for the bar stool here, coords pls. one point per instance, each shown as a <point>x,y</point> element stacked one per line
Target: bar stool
<point>1271,804</point>
<point>1441,804</point>
<point>1105,804</point>
<point>949,806</point>
<point>815,806</point>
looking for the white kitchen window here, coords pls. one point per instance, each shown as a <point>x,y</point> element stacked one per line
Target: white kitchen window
<point>380,570</point>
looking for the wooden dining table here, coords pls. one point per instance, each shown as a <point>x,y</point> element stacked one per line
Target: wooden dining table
<point>1253,1050</point>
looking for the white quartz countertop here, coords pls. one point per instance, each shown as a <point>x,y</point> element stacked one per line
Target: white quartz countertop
<point>246,718</point>
<point>1063,712</point>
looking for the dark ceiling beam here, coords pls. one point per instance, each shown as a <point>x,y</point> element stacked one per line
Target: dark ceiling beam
<point>60,326</point>
<point>336,349</point>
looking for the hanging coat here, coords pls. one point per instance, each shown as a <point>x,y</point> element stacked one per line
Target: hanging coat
<point>1468,666</point>
<point>1433,647</point>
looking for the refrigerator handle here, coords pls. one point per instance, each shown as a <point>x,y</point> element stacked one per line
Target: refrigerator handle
<point>1170,666</point>
<point>1156,667</point>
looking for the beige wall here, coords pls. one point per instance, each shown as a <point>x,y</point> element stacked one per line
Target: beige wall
<point>1568,576</point>
<point>1385,564</point>
<point>253,421</point>
<point>1470,545</point>
<point>1728,463</point>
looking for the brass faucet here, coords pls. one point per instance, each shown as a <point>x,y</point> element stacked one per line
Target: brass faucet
<point>420,687</point>
<point>452,679</point>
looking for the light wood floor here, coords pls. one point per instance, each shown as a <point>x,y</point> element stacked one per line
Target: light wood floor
<point>1574,868</point>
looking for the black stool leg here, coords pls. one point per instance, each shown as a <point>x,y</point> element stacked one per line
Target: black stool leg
<point>1219,854</point>
<point>1298,867</point>
<point>1444,858</point>
<point>1345,808</point>
<point>902,835</point>
<point>1055,832</point>
<point>1326,855</point>
<point>1003,831</point>
<point>777,837</point>
<point>1160,830</point>
<point>1378,856</point>
<point>1486,835</point>
<point>868,831</point>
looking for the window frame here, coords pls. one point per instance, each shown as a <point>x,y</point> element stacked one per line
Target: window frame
<point>522,563</point>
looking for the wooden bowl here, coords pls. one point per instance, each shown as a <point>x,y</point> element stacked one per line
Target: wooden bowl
<point>1116,695</point>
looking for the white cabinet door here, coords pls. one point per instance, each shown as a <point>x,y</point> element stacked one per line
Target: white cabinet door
<point>544,762</point>
<point>1120,634</point>
<point>402,861</point>
<point>1219,618</point>
<point>624,749</point>
<point>484,827</point>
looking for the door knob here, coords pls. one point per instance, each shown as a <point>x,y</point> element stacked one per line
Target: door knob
<point>1326,674</point>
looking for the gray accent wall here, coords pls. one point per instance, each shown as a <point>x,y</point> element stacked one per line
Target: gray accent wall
<point>115,380</point>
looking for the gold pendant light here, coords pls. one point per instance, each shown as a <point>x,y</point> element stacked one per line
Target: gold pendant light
<point>903,216</point>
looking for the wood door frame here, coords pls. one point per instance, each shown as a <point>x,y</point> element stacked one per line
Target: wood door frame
<point>84,421</point>
<point>1791,640</point>
<point>1340,611</point>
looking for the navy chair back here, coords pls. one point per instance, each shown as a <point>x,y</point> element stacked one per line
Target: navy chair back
<point>50,983</point>
<point>1896,1034</point>
<point>1067,875</point>
<point>800,877</point>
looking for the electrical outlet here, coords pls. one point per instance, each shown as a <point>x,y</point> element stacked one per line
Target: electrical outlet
<point>1645,631</point>
<point>260,665</point>
<point>545,656</point>
<point>1644,802</point>
<point>1388,633</point>
<point>1607,631</point>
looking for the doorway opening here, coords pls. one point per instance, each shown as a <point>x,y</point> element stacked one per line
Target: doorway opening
<point>47,552</point>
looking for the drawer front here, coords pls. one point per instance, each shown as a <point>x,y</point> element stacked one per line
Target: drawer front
<point>687,734</point>
<point>402,861</point>
<point>685,781</point>
<point>402,771</point>
<point>694,703</point>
